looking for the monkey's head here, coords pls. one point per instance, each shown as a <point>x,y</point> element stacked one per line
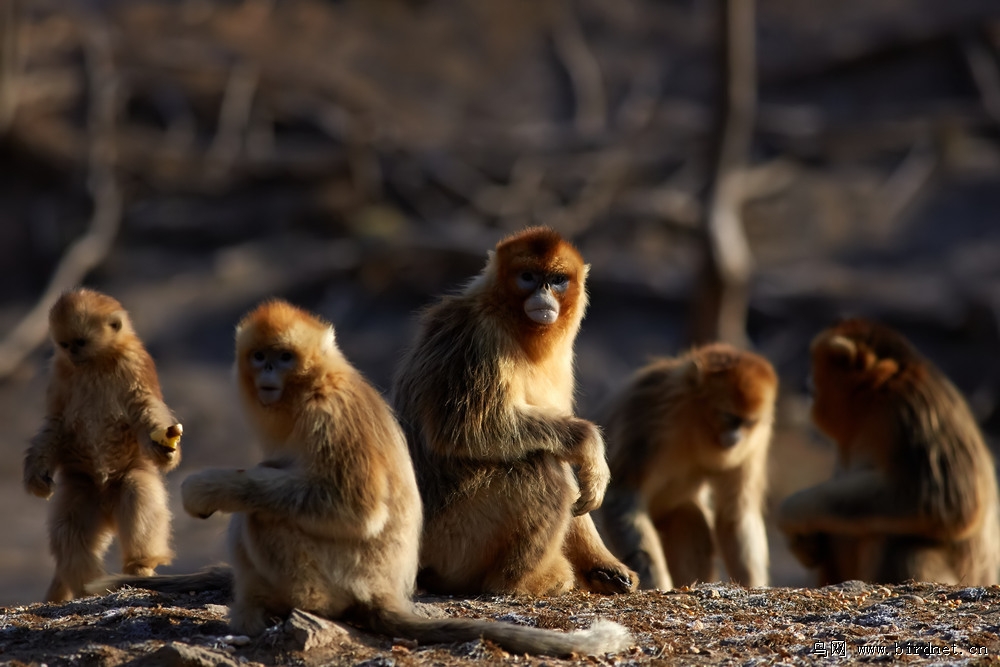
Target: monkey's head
<point>86,325</point>
<point>855,364</point>
<point>732,394</point>
<point>280,351</point>
<point>538,283</point>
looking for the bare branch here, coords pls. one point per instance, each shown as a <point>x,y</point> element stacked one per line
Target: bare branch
<point>729,261</point>
<point>985,72</point>
<point>10,61</point>
<point>584,71</point>
<point>89,250</point>
<point>234,119</point>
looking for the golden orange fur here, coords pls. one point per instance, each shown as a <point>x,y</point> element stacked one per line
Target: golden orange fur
<point>914,495</point>
<point>95,447</point>
<point>330,521</point>
<point>688,440</point>
<point>507,472</point>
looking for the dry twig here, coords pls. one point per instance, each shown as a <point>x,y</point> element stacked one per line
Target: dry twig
<point>90,249</point>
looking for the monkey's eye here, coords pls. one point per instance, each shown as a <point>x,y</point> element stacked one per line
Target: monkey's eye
<point>527,280</point>
<point>731,422</point>
<point>286,357</point>
<point>559,282</point>
<point>258,356</point>
<point>80,342</point>
<point>64,345</point>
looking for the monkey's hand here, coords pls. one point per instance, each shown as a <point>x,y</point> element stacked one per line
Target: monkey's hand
<point>164,445</point>
<point>202,492</point>
<point>37,479</point>
<point>592,471</point>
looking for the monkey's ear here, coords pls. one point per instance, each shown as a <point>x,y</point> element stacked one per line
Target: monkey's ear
<point>841,350</point>
<point>329,343</point>
<point>882,371</point>
<point>116,320</point>
<point>692,372</point>
<point>586,271</point>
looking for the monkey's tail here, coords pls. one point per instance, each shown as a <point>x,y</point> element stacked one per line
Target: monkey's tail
<point>218,578</point>
<point>601,637</point>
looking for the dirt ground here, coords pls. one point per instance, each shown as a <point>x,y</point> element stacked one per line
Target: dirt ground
<point>713,624</point>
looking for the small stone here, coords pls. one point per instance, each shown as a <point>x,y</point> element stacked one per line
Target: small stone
<point>714,593</point>
<point>181,655</point>
<point>305,631</point>
<point>236,640</point>
<point>915,599</point>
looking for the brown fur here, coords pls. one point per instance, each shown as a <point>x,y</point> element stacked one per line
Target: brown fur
<point>330,521</point>
<point>103,402</point>
<point>672,469</point>
<point>915,493</point>
<point>486,399</point>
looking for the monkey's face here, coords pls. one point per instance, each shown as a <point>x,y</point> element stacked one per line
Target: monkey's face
<point>543,294</point>
<point>84,337</point>
<point>735,391</point>
<point>271,368</point>
<point>734,416</point>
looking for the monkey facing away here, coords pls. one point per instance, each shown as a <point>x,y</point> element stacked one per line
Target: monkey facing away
<point>106,438</point>
<point>507,472</point>
<point>914,495</point>
<point>682,429</point>
<point>330,521</point>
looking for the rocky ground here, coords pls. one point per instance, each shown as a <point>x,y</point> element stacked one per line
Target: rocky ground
<point>710,624</point>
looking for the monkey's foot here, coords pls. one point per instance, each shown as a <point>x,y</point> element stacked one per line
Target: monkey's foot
<point>609,580</point>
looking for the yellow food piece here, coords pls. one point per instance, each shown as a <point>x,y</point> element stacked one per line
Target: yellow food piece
<point>172,441</point>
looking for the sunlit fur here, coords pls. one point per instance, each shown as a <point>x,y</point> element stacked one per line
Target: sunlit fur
<point>330,521</point>
<point>914,494</point>
<point>103,403</point>
<point>688,437</point>
<point>485,395</point>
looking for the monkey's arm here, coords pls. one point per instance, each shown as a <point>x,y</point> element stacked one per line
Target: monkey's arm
<point>739,523</point>
<point>148,413</point>
<point>626,525</point>
<point>41,457</point>
<point>320,506</point>
<point>859,503</point>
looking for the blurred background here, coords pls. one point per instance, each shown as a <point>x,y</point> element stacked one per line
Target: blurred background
<point>750,171</point>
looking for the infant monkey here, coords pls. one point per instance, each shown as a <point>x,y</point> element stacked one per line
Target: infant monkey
<point>683,431</point>
<point>106,437</point>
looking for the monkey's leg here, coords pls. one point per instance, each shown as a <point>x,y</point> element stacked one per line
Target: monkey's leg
<point>597,570</point>
<point>629,531</point>
<point>901,558</point>
<point>253,599</point>
<point>506,536</point>
<point>143,520</point>
<point>688,544</point>
<point>79,534</point>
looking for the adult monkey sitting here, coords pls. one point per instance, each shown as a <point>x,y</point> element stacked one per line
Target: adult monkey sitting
<point>507,473</point>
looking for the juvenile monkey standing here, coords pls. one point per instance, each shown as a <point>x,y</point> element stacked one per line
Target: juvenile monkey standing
<point>330,521</point>
<point>683,431</point>
<point>106,438</point>
<point>914,495</point>
<point>507,472</point>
